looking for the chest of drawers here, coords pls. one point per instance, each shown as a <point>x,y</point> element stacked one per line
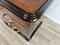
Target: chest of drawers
<point>22,20</point>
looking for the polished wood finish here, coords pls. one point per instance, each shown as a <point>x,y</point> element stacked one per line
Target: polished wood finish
<point>29,6</point>
<point>26,29</point>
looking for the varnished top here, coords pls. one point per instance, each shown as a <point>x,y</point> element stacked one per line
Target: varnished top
<point>29,6</point>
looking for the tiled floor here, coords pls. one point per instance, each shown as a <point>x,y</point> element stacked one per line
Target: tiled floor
<point>47,34</point>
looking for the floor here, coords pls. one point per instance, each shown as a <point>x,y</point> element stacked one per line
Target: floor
<point>47,34</point>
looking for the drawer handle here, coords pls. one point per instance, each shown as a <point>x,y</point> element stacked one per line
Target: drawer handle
<point>9,22</point>
<point>1,7</point>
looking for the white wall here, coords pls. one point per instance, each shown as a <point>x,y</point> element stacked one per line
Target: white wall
<point>53,11</point>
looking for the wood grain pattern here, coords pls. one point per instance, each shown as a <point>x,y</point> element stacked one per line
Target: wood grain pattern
<point>26,28</point>
<point>47,34</point>
<point>29,6</point>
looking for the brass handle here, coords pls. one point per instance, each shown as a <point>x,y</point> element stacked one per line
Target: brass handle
<point>1,7</point>
<point>9,22</point>
<point>7,19</point>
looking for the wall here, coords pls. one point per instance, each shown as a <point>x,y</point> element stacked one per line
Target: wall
<point>53,11</point>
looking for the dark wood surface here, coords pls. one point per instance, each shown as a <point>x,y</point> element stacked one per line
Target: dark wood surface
<point>29,6</point>
<point>27,29</point>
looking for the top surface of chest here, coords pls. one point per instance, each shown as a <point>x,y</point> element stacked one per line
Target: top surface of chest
<point>29,6</point>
